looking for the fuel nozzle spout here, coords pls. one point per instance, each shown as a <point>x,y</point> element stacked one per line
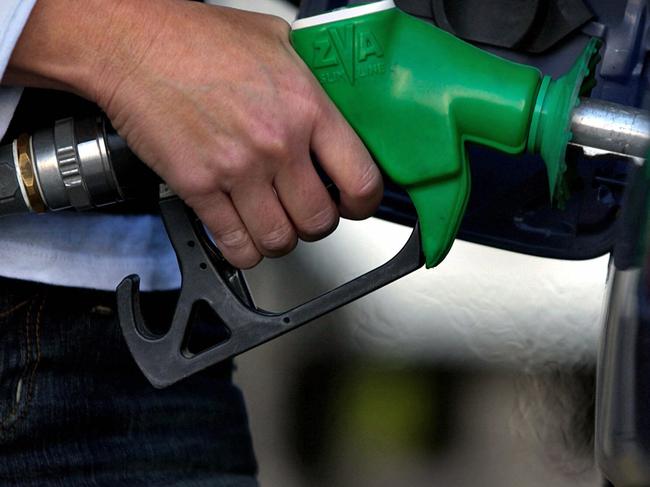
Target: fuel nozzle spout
<point>550,127</point>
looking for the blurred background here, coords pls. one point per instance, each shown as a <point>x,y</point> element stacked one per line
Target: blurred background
<point>479,372</point>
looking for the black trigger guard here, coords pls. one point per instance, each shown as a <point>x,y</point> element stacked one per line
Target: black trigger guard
<point>206,276</point>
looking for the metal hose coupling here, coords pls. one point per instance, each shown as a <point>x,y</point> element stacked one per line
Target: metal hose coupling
<point>73,165</point>
<point>30,190</point>
<point>76,163</point>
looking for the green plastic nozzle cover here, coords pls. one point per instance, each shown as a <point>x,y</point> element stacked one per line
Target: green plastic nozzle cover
<point>415,94</point>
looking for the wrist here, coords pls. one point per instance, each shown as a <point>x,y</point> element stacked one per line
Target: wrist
<point>83,46</point>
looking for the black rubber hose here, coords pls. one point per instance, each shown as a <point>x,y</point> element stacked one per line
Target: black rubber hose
<point>11,197</point>
<point>135,179</point>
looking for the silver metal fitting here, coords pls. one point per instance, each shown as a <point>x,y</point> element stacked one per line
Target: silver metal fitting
<point>611,127</point>
<point>73,165</point>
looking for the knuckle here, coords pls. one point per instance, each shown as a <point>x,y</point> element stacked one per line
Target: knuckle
<point>367,185</point>
<point>321,108</point>
<point>234,238</point>
<point>197,183</point>
<point>201,178</point>
<point>319,224</point>
<point>272,142</point>
<point>308,94</point>
<point>234,170</point>
<point>278,241</point>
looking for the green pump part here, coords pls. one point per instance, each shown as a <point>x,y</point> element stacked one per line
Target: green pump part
<point>415,94</point>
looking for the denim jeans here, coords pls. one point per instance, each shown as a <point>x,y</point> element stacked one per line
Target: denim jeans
<point>76,411</point>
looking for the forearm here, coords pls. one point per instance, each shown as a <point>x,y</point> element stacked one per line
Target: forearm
<point>82,46</point>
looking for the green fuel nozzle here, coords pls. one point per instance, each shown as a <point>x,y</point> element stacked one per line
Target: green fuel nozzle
<point>415,94</point>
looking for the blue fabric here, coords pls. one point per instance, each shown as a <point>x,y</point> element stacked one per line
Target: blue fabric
<point>13,16</point>
<point>76,411</point>
<point>88,250</point>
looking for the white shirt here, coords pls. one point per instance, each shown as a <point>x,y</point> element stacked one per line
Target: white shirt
<point>76,249</point>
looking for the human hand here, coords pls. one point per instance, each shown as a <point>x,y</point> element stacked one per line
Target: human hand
<point>216,101</point>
